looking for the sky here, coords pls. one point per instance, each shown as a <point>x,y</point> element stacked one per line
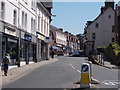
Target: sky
<point>72,16</point>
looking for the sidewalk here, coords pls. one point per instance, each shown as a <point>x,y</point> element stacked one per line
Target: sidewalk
<point>15,73</point>
<point>107,64</point>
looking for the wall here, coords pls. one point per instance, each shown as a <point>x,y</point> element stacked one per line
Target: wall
<point>26,8</point>
<point>104,31</point>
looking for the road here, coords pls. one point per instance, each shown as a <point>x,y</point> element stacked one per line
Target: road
<point>63,74</point>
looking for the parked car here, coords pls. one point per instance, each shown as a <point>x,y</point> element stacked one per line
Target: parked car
<point>76,53</point>
<point>60,53</point>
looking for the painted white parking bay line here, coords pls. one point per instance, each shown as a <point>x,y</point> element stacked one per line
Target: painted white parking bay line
<point>75,68</point>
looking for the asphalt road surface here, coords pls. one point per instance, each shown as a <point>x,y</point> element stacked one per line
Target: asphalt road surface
<point>63,74</point>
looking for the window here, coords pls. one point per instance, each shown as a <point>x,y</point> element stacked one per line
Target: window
<point>33,4</point>
<point>113,40</point>
<point>25,21</point>
<point>2,11</point>
<point>25,1</point>
<point>14,17</point>
<point>93,35</point>
<point>23,16</point>
<point>32,25</point>
<point>113,28</point>
<point>109,16</point>
<point>96,25</point>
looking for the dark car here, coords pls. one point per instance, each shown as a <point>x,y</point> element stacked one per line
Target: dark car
<point>76,53</point>
<point>60,53</point>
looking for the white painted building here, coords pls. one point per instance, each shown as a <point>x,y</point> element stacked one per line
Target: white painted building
<point>61,38</point>
<point>43,26</point>
<point>100,31</point>
<point>18,19</point>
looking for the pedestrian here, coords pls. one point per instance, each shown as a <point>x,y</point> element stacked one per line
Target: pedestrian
<point>52,54</point>
<point>6,62</point>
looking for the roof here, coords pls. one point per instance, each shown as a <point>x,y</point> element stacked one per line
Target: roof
<point>47,3</point>
<point>98,17</point>
<point>56,29</point>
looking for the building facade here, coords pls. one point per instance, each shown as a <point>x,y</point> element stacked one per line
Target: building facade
<point>72,43</point>
<point>43,28</point>
<point>18,31</point>
<point>58,38</point>
<point>22,24</point>
<point>100,31</point>
<point>117,22</point>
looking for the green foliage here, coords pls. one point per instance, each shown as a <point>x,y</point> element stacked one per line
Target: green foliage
<point>115,47</point>
<point>101,49</point>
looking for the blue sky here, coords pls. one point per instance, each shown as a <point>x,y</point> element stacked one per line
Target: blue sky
<point>72,16</point>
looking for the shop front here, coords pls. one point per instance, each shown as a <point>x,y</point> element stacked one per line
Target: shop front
<point>42,48</point>
<point>27,48</point>
<point>10,43</point>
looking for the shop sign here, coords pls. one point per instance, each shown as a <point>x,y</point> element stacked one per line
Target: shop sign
<point>28,37</point>
<point>10,32</point>
<point>47,40</point>
<point>41,37</point>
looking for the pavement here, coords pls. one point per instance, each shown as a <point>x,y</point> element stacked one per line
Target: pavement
<point>107,64</point>
<point>15,72</point>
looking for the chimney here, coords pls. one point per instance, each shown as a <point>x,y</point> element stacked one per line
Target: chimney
<point>102,10</point>
<point>109,3</point>
<point>61,29</point>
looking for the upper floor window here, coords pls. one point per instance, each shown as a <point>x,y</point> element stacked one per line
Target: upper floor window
<point>109,16</point>
<point>24,20</point>
<point>96,25</point>
<point>14,17</point>
<point>93,36</point>
<point>113,39</point>
<point>33,4</point>
<point>32,25</point>
<point>113,28</point>
<point>25,1</point>
<point>2,10</point>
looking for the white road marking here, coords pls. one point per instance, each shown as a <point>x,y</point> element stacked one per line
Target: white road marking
<point>75,68</point>
<point>111,82</point>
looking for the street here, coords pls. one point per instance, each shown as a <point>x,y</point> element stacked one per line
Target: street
<point>64,73</point>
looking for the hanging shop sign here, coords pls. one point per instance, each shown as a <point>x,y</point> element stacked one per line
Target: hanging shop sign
<point>28,37</point>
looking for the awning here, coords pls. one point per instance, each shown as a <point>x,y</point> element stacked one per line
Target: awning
<point>54,47</point>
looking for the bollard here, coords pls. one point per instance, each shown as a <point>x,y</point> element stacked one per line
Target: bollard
<point>85,76</point>
<point>90,64</point>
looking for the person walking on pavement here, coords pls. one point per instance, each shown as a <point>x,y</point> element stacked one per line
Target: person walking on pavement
<point>6,62</point>
<point>52,54</point>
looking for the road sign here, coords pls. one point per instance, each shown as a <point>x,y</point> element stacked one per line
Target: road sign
<point>85,68</point>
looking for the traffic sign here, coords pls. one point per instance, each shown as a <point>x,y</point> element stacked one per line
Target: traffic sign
<point>85,68</point>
